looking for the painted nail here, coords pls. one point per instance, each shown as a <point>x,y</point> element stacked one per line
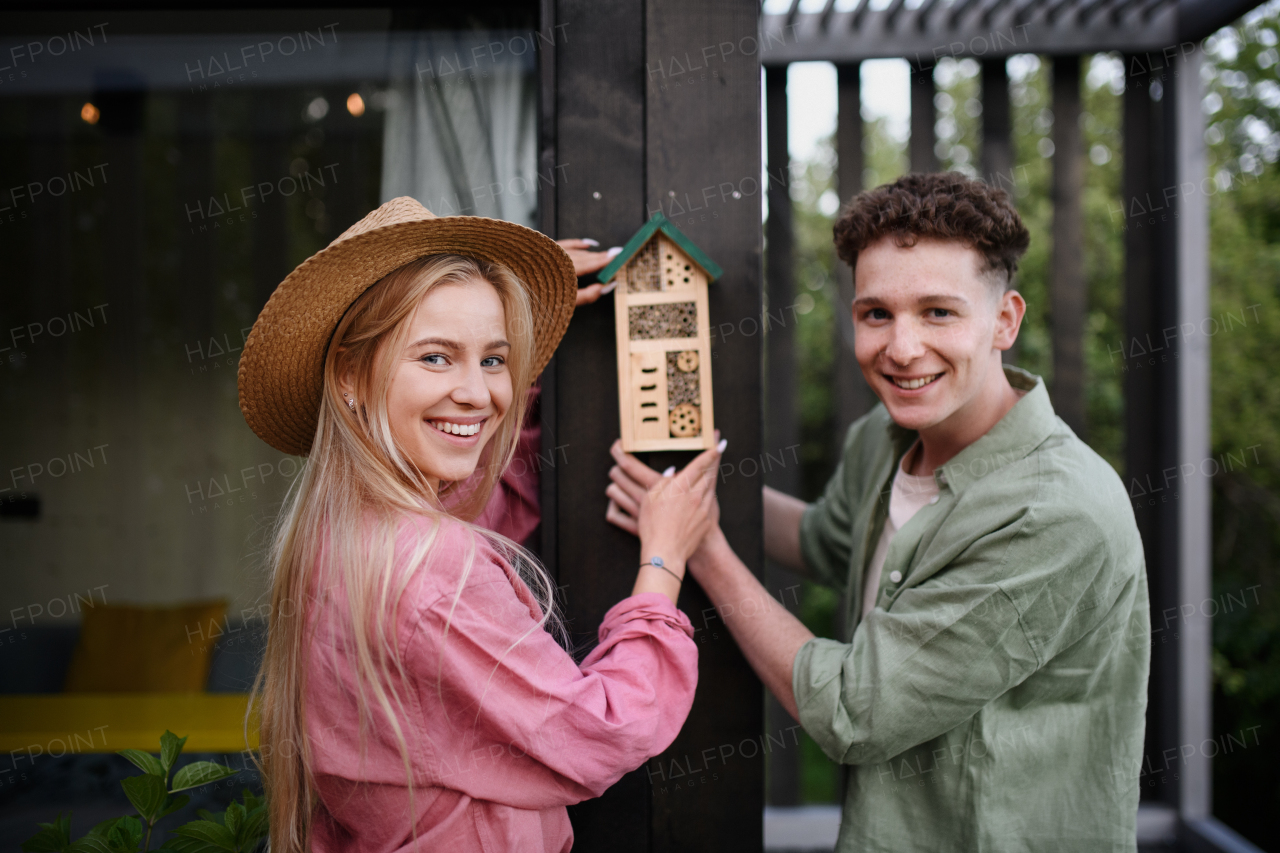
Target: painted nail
<point>616,250</point>
<point>589,241</point>
<point>608,288</point>
<point>724,442</point>
<point>669,472</point>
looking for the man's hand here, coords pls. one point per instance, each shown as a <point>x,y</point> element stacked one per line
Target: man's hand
<point>586,261</point>
<point>632,480</point>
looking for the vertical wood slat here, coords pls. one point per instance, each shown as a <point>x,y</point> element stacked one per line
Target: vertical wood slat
<point>782,427</point>
<point>853,397</point>
<point>782,423</point>
<point>1151,429</point>
<point>924,116</point>
<point>599,114</point>
<point>997,141</point>
<point>699,135</point>
<point>1067,288</point>
<point>997,136</point>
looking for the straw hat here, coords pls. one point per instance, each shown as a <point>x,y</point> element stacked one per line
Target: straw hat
<point>282,366</point>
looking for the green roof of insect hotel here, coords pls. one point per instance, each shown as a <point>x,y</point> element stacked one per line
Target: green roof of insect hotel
<point>659,222</point>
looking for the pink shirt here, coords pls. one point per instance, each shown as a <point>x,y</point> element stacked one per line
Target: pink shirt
<point>513,508</point>
<point>504,729</point>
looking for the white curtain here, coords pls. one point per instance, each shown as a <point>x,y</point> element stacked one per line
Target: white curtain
<point>461,125</point>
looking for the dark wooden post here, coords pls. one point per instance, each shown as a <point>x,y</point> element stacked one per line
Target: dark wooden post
<point>648,114</point>
<point>1067,289</point>
<point>997,140</point>
<point>1151,410</point>
<point>853,398</point>
<point>923,117</point>
<point>782,421</point>
<point>782,427</point>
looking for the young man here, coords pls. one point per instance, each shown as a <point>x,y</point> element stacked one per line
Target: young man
<point>991,692</point>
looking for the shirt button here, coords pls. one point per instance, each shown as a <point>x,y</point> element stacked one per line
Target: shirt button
<point>933,500</point>
<point>895,576</point>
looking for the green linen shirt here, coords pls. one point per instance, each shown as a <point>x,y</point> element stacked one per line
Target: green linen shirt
<point>994,698</point>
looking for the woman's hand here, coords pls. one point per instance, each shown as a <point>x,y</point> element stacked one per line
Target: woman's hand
<point>585,262</point>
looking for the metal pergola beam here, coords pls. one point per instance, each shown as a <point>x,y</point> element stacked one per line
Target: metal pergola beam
<point>989,29</point>
<point>876,37</point>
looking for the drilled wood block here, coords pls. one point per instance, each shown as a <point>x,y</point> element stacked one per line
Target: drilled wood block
<point>649,413</point>
<point>669,320</point>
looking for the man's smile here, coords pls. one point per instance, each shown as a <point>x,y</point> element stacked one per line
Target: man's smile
<point>912,384</point>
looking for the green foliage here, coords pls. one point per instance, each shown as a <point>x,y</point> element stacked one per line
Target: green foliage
<point>959,110</point>
<point>242,828</point>
<point>1243,106</point>
<point>1032,122</point>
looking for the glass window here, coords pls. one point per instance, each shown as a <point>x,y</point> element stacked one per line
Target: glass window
<point>160,174</point>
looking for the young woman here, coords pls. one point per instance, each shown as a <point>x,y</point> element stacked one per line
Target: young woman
<point>414,695</point>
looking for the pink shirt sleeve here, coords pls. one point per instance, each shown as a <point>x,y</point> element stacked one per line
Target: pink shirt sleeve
<point>514,509</point>
<point>511,718</point>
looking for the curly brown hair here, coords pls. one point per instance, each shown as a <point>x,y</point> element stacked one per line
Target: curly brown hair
<point>939,206</point>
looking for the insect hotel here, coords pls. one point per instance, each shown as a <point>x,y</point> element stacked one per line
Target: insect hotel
<point>664,339</point>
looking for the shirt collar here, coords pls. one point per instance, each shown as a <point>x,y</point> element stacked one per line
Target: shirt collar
<point>1011,440</point>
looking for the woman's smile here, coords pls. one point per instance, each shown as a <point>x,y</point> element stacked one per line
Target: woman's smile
<point>460,429</point>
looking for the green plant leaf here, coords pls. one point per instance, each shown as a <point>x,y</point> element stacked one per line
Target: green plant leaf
<point>254,829</point>
<point>170,748</point>
<point>101,830</point>
<point>52,837</point>
<point>234,819</point>
<point>147,794</point>
<point>173,805</point>
<point>144,761</point>
<point>208,831</point>
<point>190,845</point>
<point>199,773</point>
<point>91,844</point>
<point>126,835</point>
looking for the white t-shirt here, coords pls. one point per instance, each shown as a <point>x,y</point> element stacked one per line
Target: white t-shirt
<point>910,494</point>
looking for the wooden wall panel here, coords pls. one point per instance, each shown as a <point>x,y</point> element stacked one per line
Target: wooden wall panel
<point>702,139</point>
<point>599,193</point>
<point>646,104</point>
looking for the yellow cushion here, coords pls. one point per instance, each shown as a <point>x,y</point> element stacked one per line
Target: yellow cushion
<point>59,723</point>
<point>127,649</point>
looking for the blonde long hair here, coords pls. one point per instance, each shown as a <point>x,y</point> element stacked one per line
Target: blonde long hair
<point>358,482</point>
